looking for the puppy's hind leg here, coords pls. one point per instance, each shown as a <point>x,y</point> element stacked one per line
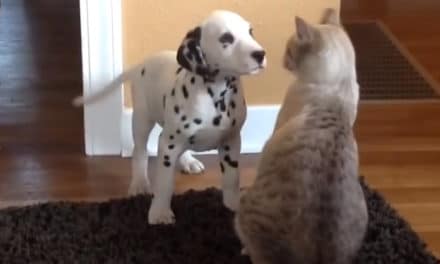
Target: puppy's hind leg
<point>141,126</point>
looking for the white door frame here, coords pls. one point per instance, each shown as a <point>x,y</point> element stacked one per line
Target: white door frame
<point>101,40</point>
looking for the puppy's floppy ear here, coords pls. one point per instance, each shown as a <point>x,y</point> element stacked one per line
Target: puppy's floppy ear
<point>330,16</point>
<point>190,55</point>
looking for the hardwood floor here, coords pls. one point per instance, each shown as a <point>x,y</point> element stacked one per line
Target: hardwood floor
<point>400,143</point>
<point>41,135</point>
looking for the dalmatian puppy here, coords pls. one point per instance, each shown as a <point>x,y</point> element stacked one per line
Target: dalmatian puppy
<point>195,95</point>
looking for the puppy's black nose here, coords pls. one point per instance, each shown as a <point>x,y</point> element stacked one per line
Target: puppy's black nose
<point>258,55</point>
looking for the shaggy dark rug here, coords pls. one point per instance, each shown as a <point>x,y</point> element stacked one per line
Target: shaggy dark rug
<point>117,232</point>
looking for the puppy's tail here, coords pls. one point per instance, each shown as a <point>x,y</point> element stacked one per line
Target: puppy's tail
<point>108,89</point>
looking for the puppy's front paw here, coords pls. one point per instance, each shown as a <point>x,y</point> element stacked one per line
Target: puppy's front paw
<point>231,200</point>
<point>157,216</point>
<point>191,165</point>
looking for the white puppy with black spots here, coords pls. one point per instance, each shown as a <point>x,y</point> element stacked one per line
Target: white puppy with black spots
<point>196,96</point>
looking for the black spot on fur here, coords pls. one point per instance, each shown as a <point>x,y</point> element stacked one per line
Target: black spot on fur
<point>211,93</point>
<point>164,100</point>
<point>185,92</point>
<point>234,89</point>
<point>193,80</point>
<point>198,121</point>
<point>232,104</point>
<point>173,92</point>
<point>171,146</point>
<point>229,113</point>
<point>208,75</point>
<point>178,131</point>
<point>228,81</point>
<point>233,122</point>
<point>192,140</point>
<point>143,72</point>
<point>186,126</point>
<point>176,109</point>
<point>171,137</point>
<point>167,163</point>
<point>233,79</point>
<point>216,120</point>
<point>222,105</point>
<point>166,157</point>
<point>232,163</point>
<point>226,38</point>
<point>179,70</point>
<point>227,148</point>
<point>222,167</point>
<point>183,118</point>
<point>223,93</point>
<point>203,71</point>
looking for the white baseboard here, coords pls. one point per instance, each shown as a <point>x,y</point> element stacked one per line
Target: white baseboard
<point>256,130</point>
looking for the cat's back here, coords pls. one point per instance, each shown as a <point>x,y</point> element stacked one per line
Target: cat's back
<point>312,145</point>
<point>334,210</point>
<point>307,195</point>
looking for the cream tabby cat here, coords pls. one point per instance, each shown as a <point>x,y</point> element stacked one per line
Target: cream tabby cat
<point>306,205</point>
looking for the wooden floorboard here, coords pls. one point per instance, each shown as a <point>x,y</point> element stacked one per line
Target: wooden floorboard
<point>41,135</point>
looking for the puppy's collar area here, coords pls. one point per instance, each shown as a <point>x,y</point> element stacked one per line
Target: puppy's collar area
<point>224,94</point>
<point>207,74</point>
<point>227,79</point>
<point>212,77</point>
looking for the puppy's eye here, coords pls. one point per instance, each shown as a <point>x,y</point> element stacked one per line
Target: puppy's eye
<point>251,32</point>
<point>226,38</point>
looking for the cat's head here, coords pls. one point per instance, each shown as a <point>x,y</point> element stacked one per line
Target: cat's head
<point>321,53</point>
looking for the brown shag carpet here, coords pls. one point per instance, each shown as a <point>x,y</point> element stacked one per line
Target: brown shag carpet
<point>117,232</point>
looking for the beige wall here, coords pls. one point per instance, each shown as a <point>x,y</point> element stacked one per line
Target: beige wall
<point>153,25</point>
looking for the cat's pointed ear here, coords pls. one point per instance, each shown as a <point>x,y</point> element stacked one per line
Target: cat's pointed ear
<point>304,31</point>
<point>331,17</point>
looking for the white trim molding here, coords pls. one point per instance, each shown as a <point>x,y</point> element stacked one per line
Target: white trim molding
<point>256,130</point>
<point>101,40</point>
